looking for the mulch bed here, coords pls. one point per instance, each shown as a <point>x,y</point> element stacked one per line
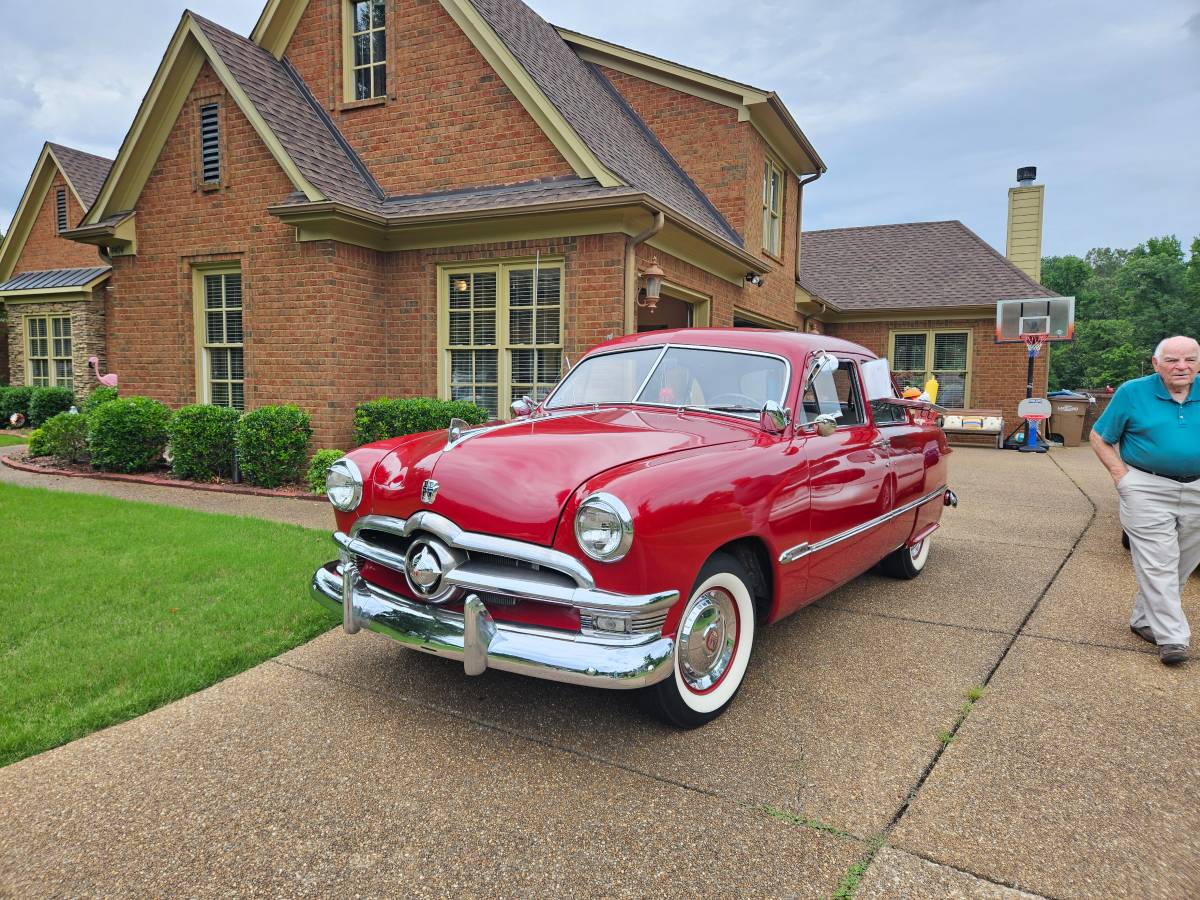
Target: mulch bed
<point>162,478</point>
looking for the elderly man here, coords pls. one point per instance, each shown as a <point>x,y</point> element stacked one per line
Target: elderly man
<point>1156,423</point>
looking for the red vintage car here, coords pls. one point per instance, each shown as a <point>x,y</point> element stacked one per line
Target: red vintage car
<point>675,492</point>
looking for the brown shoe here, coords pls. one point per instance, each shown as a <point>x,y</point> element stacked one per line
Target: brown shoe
<point>1172,654</point>
<point>1144,632</point>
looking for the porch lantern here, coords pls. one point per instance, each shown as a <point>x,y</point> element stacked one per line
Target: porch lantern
<point>652,285</point>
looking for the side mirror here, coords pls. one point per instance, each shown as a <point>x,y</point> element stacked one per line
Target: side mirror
<point>773,419</point>
<point>523,408</point>
<point>826,424</point>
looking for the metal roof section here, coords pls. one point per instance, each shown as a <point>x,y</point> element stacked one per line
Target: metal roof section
<point>55,279</point>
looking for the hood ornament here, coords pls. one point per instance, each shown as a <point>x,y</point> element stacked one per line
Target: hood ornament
<point>429,490</point>
<point>456,429</point>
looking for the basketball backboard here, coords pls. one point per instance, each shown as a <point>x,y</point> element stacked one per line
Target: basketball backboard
<point>1052,316</point>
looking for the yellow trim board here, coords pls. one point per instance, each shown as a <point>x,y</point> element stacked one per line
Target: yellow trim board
<point>275,27</point>
<point>762,109</point>
<point>156,117</point>
<point>525,89</point>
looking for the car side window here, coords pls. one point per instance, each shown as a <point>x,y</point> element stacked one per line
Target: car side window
<point>885,413</point>
<point>838,393</point>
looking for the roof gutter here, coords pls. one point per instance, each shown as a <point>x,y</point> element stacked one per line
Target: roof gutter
<point>631,275</point>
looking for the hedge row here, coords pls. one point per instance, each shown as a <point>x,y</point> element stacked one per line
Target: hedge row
<point>378,420</point>
<point>38,405</point>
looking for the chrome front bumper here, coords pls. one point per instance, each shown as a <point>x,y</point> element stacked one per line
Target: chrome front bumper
<point>473,636</point>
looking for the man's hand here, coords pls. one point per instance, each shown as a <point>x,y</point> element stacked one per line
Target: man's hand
<point>1110,456</point>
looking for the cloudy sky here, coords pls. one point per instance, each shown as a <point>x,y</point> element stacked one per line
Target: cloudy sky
<point>922,110</point>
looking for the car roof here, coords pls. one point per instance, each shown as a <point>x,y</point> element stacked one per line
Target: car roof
<point>793,344</point>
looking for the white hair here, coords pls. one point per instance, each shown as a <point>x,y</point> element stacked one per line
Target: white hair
<point>1158,351</point>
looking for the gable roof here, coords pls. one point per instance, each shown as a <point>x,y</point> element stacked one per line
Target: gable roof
<point>85,172</point>
<point>598,114</point>
<point>269,94</point>
<point>917,265</point>
<point>82,171</point>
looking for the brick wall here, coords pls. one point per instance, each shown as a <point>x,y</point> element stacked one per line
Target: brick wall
<point>45,249</point>
<point>87,338</point>
<point>997,370</point>
<point>725,158</point>
<point>448,121</point>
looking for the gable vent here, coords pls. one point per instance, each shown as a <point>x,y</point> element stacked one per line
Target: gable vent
<point>210,144</point>
<point>60,209</point>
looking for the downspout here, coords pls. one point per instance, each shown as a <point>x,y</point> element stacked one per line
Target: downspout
<point>800,218</point>
<point>631,285</point>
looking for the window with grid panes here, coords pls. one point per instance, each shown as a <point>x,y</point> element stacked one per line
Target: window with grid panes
<point>772,207</point>
<point>917,356</point>
<point>224,370</point>
<point>48,351</point>
<point>368,49</point>
<point>503,333</point>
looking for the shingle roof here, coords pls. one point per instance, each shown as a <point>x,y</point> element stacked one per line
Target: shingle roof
<point>54,278</point>
<point>85,171</point>
<point>598,113</point>
<point>308,135</point>
<point>909,266</point>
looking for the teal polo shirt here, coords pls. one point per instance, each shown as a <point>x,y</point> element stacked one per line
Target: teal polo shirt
<point>1154,431</point>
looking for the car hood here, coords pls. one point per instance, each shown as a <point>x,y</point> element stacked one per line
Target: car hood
<point>514,479</point>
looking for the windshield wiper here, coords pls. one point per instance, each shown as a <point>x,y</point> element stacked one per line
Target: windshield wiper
<point>737,408</point>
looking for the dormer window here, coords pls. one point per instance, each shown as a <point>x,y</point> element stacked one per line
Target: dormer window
<point>366,49</point>
<point>60,210</point>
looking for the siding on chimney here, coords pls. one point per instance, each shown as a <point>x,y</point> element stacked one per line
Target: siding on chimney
<point>1025,229</point>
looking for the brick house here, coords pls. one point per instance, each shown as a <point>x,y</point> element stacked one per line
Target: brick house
<point>374,198</point>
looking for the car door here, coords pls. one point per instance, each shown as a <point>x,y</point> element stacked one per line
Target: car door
<point>851,489</point>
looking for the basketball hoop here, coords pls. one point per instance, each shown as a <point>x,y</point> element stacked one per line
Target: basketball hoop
<point>1034,342</point>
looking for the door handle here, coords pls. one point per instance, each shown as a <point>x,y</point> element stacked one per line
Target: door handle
<point>882,443</point>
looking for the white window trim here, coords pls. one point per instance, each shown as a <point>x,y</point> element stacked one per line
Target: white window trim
<point>771,164</point>
<point>51,369</point>
<point>504,355</point>
<point>348,67</point>
<point>930,371</point>
<point>200,329</point>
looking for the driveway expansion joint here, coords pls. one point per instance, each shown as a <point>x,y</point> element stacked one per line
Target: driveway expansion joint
<point>1015,886</point>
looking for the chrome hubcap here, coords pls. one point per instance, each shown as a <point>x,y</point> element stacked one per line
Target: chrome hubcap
<point>707,636</point>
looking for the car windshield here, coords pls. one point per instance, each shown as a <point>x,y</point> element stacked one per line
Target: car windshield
<point>723,380</point>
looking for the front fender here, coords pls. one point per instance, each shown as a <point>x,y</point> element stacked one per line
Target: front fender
<point>684,507</point>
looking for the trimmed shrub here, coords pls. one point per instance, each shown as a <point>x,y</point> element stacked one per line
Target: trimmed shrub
<point>128,435</point>
<point>377,420</point>
<point>64,437</point>
<point>14,400</point>
<point>98,397</point>
<point>37,446</point>
<point>47,402</point>
<point>318,468</point>
<point>203,439</point>
<point>272,444</point>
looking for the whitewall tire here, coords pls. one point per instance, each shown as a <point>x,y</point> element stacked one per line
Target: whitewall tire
<point>713,643</point>
<point>907,562</point>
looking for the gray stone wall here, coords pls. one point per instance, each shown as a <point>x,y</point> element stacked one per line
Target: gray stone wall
<point>87,338</point>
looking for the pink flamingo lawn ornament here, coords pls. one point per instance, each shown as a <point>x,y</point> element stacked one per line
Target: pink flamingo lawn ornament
<point>109,380</point>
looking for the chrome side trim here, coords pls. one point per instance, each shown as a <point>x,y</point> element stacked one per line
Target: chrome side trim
<point>802,550</point>
<point>481,643</point>
<point>464,540</point>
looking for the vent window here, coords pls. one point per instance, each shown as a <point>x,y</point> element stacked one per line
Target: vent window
<point>60,209</point>
<point>210,144</point>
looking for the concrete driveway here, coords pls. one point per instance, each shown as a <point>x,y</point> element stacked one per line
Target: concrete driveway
<point>351,767</point>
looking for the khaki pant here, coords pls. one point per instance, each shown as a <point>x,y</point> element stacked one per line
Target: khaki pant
<point>1162,519</point>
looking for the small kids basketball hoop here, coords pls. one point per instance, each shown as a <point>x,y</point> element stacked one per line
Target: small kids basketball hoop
<point>1034,322</point>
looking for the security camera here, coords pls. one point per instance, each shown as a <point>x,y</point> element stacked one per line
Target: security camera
<point>754,278</point>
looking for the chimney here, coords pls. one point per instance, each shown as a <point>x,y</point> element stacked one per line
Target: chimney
<point>1025,223</point>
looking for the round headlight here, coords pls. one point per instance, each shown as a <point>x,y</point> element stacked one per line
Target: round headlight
<point>343,485</point>
<point>603,528</point>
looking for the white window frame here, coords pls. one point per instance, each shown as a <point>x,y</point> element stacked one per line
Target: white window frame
<point>503,345</point>
<point>930,335</point>
<point>203,347</point>
<point>349,33</point>
<point>772,238</point>
<point>51,357</point>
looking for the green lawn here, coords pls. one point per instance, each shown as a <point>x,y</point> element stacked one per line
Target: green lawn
<point>7,440</point>
<point>109,609</point>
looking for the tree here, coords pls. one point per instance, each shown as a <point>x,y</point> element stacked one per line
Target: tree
<point>1126,301</point>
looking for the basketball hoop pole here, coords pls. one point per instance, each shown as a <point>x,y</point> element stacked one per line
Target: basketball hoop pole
<point>1025,436</point>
